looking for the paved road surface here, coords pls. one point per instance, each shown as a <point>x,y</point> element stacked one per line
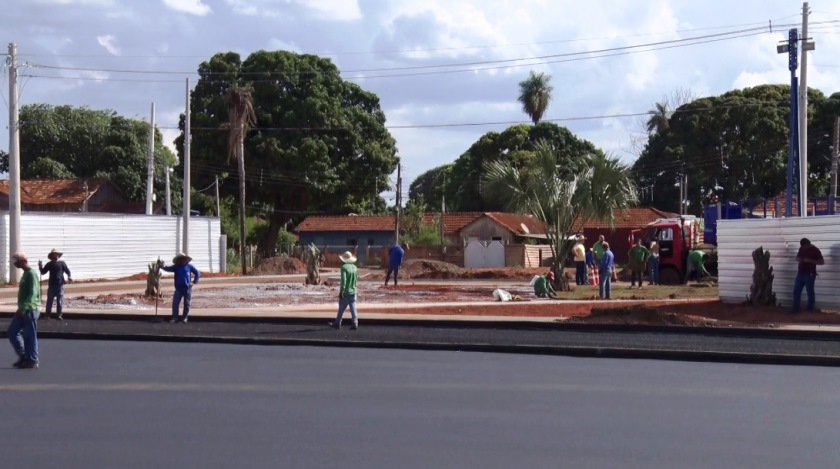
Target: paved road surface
<point>127,404</point>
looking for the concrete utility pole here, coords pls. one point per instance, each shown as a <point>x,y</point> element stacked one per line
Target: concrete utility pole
<point>186,214</point>
<point>442,216</point>
<point>835,154</point>
<point>168,196</point>
<point>14,165</point>
<point>150,165</point>
<point>803,113</point>
<point>397,205</point>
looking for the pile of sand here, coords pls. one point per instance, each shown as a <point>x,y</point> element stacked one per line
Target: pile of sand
<point>280,265</point>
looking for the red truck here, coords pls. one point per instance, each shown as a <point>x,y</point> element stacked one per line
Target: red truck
<point>677,237</point>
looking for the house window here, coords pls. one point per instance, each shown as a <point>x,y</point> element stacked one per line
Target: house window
<point>352,241</point>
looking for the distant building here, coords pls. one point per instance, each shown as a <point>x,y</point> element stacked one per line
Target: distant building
<point>71,195</point>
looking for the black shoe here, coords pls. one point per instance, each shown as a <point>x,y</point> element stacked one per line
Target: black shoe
<point>44,317</point>
<point>18,363</point>
<point>355,326</point>
<point>60,317</point>
<point>334,325</point>
<point>181,319</point>
<point>172,319</point>
<point>28,364</point>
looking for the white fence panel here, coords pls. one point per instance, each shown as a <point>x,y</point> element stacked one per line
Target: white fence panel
<point>474,255</point>
<point>112,245</point>
<point>738,238</point>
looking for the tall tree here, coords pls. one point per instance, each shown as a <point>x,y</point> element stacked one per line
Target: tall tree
<point>535,94</point>
<point>67,142</point>
<point>658,121</point>
<point>321,145</point>
<point>241,117</point>
<point>737,141</point>
<point>516,144</point>
<point>601,187</point>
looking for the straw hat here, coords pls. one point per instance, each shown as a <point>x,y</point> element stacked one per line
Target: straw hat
<point>55,252</point>
<point>181,257</point>
<point>347,257</point>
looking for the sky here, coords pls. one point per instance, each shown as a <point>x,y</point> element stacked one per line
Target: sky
<point>446,71</point>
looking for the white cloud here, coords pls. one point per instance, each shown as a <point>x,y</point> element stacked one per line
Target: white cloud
<point>193,7</point>
<point>328,10</point>
<point>279,44</point>
<point>108,42</point>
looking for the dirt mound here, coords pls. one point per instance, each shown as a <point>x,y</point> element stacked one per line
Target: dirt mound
<point>425,268</point>
<point>280,265</point>
<point>644,315</point>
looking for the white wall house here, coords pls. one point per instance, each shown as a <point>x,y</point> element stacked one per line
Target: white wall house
<point>103,245</point>
<point>738,238</point>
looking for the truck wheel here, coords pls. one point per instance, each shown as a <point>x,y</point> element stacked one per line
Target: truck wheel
<point>670,276</point>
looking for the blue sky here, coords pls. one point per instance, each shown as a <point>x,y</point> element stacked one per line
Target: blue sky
<point>171,37</point>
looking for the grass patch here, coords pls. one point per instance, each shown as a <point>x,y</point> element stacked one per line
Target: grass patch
<point>622,291</point>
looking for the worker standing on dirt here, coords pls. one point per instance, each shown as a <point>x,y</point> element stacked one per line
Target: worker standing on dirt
<point>598,248</point>
<point>395,258</point>
<point>606,267</point>
<point>638,256</point>
<point>186,275</point>
<point>808,257</point>
<point>55,288</point>
<point>653,263</point>
<point>580,261</point>
<point>696,266</point>
<point>347,290</point>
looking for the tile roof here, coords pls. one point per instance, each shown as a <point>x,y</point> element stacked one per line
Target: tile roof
<point>635,217</point>
<point>515,222</point>
<point>452,222</point>
<point>55,191</point>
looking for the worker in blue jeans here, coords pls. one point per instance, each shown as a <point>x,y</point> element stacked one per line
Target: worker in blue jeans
<point>23,328</point>
<point>808,257</point>
<point>186,275</point>
<point>605,269</point>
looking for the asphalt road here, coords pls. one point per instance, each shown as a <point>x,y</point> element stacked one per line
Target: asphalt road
<point>699,340</point>
<point>136,404</point>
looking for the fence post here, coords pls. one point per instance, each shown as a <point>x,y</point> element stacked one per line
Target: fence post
<point>540,264</point>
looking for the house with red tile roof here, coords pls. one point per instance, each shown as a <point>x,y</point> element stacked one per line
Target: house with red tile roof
<point>71,195</point>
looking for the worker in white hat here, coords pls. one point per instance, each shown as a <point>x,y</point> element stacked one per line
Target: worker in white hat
<point>347,290</point>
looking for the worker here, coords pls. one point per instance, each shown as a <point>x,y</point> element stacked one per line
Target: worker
<point>580,261</point>
<point>543,286</point>
<point>696,266</point>
<point>638,256</point>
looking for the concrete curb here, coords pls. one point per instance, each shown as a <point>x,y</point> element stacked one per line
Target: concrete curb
<point>587,352</point>
<point>472,323</point>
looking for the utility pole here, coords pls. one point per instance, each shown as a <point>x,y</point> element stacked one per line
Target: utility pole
<point>14,165</point>
<point>186,214</point>
<point>150,165</point>
<point>442,216</point>
<point>168,197</point>
<point>803,114</point>
<point>835,154</point>
<point>218,204</point>
<point>397,206</point>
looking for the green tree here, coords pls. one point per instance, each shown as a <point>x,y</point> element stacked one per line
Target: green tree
<point>737,141</point>
<point>658,121</point>
<point>69,142</point>
<point>601,188</point>
<point>241,117</point>
<point>432,186</point>
<point>516,144</point>
<point>535,94</point>
<point>321,144</point>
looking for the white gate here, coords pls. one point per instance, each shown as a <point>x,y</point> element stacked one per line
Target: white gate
<point>483,254</point>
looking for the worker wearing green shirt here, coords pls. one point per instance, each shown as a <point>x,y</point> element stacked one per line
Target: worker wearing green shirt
<point>347,290</point>
<point>638,258</point>
<point>695,266</point>
<point>23,330</point>
<point>598,249</point>
<point>543,287</point>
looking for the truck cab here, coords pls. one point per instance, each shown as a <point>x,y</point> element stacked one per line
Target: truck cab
<point>676,237</point>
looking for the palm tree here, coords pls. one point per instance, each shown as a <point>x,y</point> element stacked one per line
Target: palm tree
<point>602,187</point>
<point>241,117</point>
<point>535,94</point>
<point>659,115</point>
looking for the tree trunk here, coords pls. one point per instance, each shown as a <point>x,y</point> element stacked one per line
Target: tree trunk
<point>240,158</point>
<point>761,290</point>
<point>270,242</point>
